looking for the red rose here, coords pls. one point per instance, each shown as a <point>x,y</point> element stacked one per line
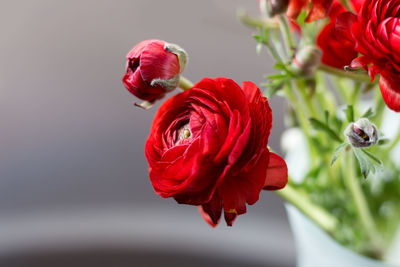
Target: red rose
<point>208,147</point>
<point>153,68</point>
<point>335,39</point>
<point>377,37</point>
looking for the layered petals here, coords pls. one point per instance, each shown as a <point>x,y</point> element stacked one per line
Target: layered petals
<point>377,36</point>
<point>208,147</point>
<point>335,39</point>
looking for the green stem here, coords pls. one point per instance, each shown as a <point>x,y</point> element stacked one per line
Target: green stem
<point>342,73</point>
<point>287,35</point>
<point>320,216</point>
<point>184,83</point>
<point>366,219</point>
<point>394,142</point>
<point>255,23</point>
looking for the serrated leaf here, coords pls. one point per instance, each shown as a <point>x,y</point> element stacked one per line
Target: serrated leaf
<point>363,161</point>
<point>349,113</point>
<point>368,114</point>
<point>368,162</point>
<point>338,152</point>
<point>323,127</point>
<point>378,161</point>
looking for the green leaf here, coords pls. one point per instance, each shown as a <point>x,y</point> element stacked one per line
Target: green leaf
<point>378,161</point>
<point>323,127</point>
<point>366,164</point>
<point>338,152</point>
<point>276,76</point>
<point>349,113</point>
<point>258,38</point>
<point>326,113</point>
<point>368,114</point>
<point>383,141</point>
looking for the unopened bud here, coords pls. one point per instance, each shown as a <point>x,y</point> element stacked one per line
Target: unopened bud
<point>272,8</point>
<point>362,133</point>
<point>307,60</point>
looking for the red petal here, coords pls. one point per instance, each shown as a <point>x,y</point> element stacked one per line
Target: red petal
<point>137,50</point>
<point>295,7</point>
<point>319,9</point>
<point>390,89</point>
<point>277,173</point>
<point>211,211</point>
<point>157,63</point>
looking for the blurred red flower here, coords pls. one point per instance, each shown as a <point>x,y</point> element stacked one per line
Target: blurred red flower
<point>319,8</point>
<point>208,147</point>
<point>377,36</point>
<point>335,39</point>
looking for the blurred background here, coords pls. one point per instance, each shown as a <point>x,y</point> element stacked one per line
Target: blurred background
<point>74,187</point>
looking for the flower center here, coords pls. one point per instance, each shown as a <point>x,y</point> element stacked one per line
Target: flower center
<point>184,132</point>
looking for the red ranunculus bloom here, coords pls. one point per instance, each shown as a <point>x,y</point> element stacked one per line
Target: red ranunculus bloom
<point>153,68</point>
<point>377,37</point>
<point>319,8</point>
<point>208,147</point>
<point>335,39</point>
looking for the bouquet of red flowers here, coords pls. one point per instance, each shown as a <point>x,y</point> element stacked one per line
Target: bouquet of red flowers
<point>338,65</point>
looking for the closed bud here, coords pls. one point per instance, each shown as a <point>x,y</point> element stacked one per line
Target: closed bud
<point>153,68</point>
<point>362,133</point>
<point>306,60</point>
<point>272,8</point>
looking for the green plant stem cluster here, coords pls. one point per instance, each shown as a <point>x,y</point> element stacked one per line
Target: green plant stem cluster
<point>360,213</point>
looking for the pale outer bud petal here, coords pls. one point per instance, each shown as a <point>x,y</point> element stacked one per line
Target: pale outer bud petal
<point>362,133</point>
<point>307,60</point>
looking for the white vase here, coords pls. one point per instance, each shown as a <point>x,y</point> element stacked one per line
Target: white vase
<point>315,248</point>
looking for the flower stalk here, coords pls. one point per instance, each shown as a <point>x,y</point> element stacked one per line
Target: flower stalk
<point>184,83</point>
<point>316,213</point>
<point>364,214</point>
<point>346,74</point>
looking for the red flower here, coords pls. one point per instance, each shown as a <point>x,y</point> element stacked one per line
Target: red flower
<point>153,68</point>
<point>377,37</point>
<point>208,147</point>
<point>319,9</point>
<point>335,39</point>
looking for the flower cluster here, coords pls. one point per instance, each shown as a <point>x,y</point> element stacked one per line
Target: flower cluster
<point>207,145</point>
<point>373,31</point>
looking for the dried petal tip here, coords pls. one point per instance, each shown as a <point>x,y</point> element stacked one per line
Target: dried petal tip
<point>362,133</point>
<point>307,60</point>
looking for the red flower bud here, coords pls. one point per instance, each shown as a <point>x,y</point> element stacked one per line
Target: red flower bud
<point>306,60</point>
<point>153,68</point>
<point>362,133</point>
<point>208,147</point>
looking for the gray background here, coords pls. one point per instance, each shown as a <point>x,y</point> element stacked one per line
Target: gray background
<point>73,170</point>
